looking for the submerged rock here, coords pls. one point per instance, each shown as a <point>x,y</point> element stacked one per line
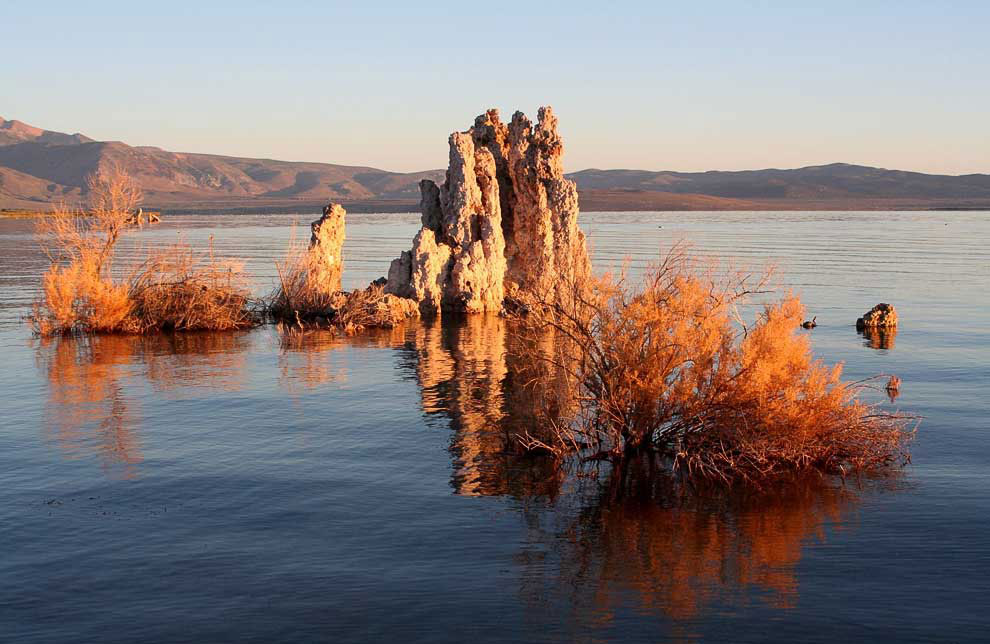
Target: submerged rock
<point>881,315</point>
<point>325,247</point>
<point>502,225</point>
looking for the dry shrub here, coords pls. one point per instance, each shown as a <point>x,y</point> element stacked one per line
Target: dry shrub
<point>75,299</point>
<point>302,294</point>
<point>89,237</point>
<point>305,297</point>
<point>78,293</point>
<point>669,373</point>
<point>176,289</point>
<point>172,289</point>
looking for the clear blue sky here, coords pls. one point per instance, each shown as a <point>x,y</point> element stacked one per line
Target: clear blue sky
<point>652,85</point>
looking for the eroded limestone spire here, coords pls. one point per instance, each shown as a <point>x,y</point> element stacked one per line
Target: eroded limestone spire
<point>502,225</point>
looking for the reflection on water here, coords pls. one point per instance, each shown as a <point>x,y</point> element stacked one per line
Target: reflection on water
<point>306,360</point>
<point>676,559</point>
<point>358,531</point>
<point>312,358</point>
<point>87,410</point>
<point>93,405</point>
<point>879,337</point>
<point>679,558</point>
<point>465,374</point>
<point>214,361</point>
<point>676,556</point>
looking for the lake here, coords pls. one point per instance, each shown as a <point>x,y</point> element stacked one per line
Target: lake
<point>235,487</point>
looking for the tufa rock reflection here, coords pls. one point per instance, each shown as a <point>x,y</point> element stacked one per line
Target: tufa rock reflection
<point>465,373</point>
<point>878,337</point>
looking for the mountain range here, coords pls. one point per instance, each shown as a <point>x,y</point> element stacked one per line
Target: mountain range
<point>40,167</point>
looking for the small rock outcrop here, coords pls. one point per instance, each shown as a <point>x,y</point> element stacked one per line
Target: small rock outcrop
<point>502,226</point>
<point>880,316</point>
<point>893,388</point>
<point>371,307</point>
<point>326,261</point>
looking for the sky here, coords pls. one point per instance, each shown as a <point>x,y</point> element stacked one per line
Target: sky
<point>684,86</point>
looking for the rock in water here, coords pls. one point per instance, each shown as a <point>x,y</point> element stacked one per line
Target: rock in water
<point>325,247</point>
<point>881,315</point>
<point>893,388</point>
<point>502,225</point>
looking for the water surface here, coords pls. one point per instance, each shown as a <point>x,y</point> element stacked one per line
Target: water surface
<point>237,487</point>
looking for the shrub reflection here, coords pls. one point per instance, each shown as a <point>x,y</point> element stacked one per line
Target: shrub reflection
<point>90,410</point>
<point>678,556</point>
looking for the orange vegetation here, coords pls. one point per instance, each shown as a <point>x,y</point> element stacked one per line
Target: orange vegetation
<point>308,295</point>
<point>303,293</point>
<point>670,373</point>
<point>172,289</point>
<point>683,560</point>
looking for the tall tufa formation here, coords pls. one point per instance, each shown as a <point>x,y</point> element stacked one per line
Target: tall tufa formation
<point>548,253</point>
<point>502,226</point>
<point>325,249</point>
<point>457,261</point>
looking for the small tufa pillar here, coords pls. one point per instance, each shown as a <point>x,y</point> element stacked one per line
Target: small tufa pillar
<point>326,248</point>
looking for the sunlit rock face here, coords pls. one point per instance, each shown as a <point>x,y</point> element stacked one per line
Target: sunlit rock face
<point>880,316</point>
<point>502,225</point>
<point>325,247</point>
<point>548,253</point>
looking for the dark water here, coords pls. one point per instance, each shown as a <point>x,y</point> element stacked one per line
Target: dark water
<point>234,487</point>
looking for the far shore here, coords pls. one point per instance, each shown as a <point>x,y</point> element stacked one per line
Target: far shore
<point>18,213</point>
<point>591,201</point>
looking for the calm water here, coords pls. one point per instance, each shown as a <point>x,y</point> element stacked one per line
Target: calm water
<point>231,487</point>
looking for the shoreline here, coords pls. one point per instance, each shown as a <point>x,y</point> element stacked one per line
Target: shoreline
<point>403,207</point>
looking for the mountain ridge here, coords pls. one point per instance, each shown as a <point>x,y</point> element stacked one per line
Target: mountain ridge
<point>39,168</point>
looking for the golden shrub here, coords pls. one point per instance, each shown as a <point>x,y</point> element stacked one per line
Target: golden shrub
<point>172,289</point>
<point>669,372</point>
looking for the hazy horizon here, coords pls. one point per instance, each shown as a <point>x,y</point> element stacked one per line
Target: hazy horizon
<point>723,87</point>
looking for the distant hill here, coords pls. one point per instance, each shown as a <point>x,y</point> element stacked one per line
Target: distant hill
<point>817,187</point>
<point>41,167</point>
<point>18,132</point>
